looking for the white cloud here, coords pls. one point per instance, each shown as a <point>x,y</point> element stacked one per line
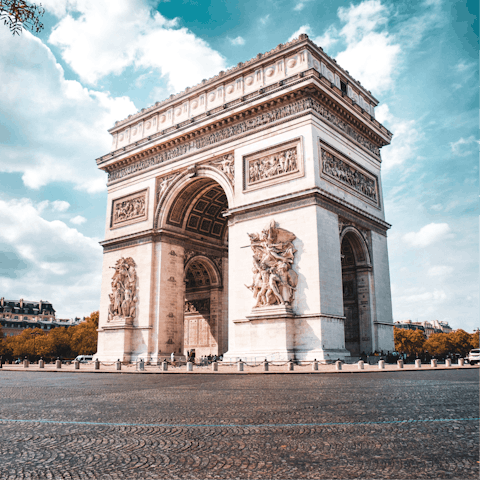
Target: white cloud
<point>78,220</point>
<point>439,271</point>
<point>435,295</point>
<point>329,38</point>
<point>300,5</point>
<point>60,205</point>
<point>429,234</point>
<point>303,29</point>
<point>406,137</point>
<point>463,146</point>
<point>59,263</point>
<point>101,38</point>
<point>237,41</point>
<point>55,127</point>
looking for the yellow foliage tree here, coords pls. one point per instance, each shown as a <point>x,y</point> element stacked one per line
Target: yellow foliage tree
<point>408,341</point>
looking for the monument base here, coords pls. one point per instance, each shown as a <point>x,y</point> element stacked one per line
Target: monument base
<point>284,337</point>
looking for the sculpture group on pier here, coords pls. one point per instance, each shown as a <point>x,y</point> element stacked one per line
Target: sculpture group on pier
<point>274,280</point>
<point>123,298</point>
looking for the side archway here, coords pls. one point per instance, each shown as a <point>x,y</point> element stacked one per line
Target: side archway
<point>356,275</point>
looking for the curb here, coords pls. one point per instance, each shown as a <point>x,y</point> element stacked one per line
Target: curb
<point>335,372</point>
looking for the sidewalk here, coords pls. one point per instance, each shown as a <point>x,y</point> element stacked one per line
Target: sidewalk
<point>229,369</point>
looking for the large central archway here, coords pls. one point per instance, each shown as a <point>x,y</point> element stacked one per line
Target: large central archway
<point>194,212</point>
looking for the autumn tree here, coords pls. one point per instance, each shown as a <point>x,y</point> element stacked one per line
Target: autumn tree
<point>408,341</point>
<point>18,15</point>
<point>460,340</point>
<point>439,344</point>
<point>84,336</point>
<point>474,337</point>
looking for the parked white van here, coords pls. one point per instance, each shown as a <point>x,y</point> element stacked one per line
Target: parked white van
<point>84,358</point>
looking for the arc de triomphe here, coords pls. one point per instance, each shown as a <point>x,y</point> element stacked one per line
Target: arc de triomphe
<point>245,218</point>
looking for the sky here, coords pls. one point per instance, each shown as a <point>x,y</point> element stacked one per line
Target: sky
<point>98,61</point>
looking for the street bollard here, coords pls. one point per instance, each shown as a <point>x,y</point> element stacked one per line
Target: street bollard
<point>400,363</point>
<point>58,363</point>
<point>265,366</point>
<point>240,366</point>
<point>214,366</point>
<point>338,365</point>
<point>41,363</point>
<point>76,365</point>
<point>361,365</point>
<point>461,362</point>
<point>189,366</point>
<point>118,364</point>
<point>97,364</point>
<point>1,362</point>
<point>290,366</point>
<point>448,362</point>
<point>381,364</point>
<point>164,366</point>
<point>418,363</point>
<point>315,365</point>
<point>433,362</point>
<point>141,365</point>
<point>26,363</point>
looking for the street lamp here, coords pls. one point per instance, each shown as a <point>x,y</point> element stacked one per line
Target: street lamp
<point>35,334</point>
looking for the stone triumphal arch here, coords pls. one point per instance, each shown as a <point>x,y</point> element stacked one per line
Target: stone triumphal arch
<point>245,218</point>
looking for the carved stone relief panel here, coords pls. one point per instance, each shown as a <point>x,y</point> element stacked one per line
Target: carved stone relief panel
<point>346,173</point>
<point>274,165</point>
<point>226,164</point>
<point>123,299</point>
<point>274,280</point>
<point>132,208</point>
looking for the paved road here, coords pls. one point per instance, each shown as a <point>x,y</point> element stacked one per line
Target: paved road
<point>286,427</point>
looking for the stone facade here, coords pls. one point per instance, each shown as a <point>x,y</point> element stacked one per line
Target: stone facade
<point>250,207</point>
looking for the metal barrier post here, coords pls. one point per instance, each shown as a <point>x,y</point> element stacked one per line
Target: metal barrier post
<point>461,362</point>
<point>97,364</point>
<point>41,363</point>
<point>76,365</point>
<point>189,366</point>
<point>338,365</point>
<point>26,363</point>
<point>400,363</point>
<point>448,362</point>
<point>118,364</point>
<point>164,366</point>
<point>290,366</point>
<point>265,366</point>
<point>418,363</point>
<point>361,365</point>
<point>58,363</point>
<point>214,366</point>
<point>381,364</point>
<point>240,366</point>
<point>433,362</point>
<point>315,365</point>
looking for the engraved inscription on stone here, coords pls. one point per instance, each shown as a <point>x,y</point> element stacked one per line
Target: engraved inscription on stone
<point>271,166</point>
<point>349,176</point>
<point>130,209</point>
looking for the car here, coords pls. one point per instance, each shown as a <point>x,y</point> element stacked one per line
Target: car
<point>84,358</point>
<point>474,356</point>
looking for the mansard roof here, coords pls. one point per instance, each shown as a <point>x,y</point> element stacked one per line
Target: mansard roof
<point>29,307</point>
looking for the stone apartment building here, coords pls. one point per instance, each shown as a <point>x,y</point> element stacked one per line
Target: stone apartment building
<point>17,315</point>
<point>428,328</point>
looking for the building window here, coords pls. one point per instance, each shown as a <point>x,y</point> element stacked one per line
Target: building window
<point>15,317</point>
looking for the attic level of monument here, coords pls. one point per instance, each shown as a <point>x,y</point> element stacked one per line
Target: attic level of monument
<point>311,96</point>
<point>165,123</point>
<point>286,51</point>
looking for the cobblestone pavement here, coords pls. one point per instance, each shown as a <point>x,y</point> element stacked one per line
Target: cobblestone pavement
<point>228,426</point>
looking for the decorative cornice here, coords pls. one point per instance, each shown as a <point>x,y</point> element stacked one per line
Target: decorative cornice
<point>188,146</point>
